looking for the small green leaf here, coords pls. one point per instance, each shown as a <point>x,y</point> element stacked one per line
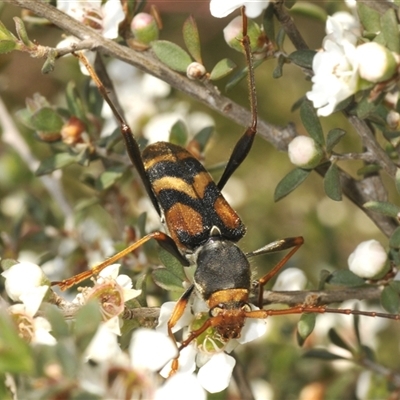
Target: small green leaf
<point>344,277</point>
<point>192,38</point>
<point>47,120</point>
<point>332,186</point>
<point>87,321</point>
<point>21,31</point>
<point>338,340</point>
<point>166,279</point>
<point>74,101</point>
<point>394,241</point>
<point>172,264</point>
<point>311,122</point>
<point>171,55</point>
<point>309,10</point>
<point>278,71</point>
<point>179,133</point>
<point>302,58</point>
<point>390,300</point>
<point>370,19</point>
<point>223,68</point>
<point>5,34</point>
<point>269,24</point>
<point>15,353</point>
<point>7,45</point>
<point>49,64</point>
<point>203,137</point>
<point>368,169</point>
<point>57,161</point>
<point>108,178</point>
<point>290,182</point>
<point>323,354</point>
<point>59,326</point>
<point>333,138</point>
<point>390,30</point>
<point>366,108</point>
<point>305,326</point>
<point>383,207</point>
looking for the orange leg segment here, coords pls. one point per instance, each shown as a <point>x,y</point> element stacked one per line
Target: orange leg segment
<point>163,240</point>
<point>293,243</point>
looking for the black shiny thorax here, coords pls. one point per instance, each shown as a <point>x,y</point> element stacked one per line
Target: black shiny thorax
<point>221,265</point>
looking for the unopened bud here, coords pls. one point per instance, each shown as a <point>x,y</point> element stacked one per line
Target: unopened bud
<point>233,34</point>
<point>393,119</point>
<point>195,71</point>
<point>376,62</point>
<point>71,132</point>
<point>144,27</point>
<point>368,259</point>
<point>305,152</point>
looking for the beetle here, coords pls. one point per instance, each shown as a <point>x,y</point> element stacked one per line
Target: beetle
<point>203,228</point>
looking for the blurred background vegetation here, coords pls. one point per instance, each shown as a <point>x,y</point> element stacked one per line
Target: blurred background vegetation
<point>32,223</point>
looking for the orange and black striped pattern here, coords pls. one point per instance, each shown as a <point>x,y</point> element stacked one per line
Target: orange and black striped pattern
<point>189,198</point>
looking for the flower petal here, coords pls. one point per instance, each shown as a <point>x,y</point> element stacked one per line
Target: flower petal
<point>181,387</point>
<point>216,374</point>
<point>151,350</point>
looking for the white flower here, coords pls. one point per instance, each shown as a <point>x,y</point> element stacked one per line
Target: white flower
<point>111,291</point>
<point>103,346</point>
<point>112,273</point>
<point>26,282</point>
<point>215,366</point>
<point>181,386</point>
<point>33,330</point>
<point>335,76</point>
<point>215,375</point>
<point>222,8</point>
<point>304,152</point>
<point>151,350</point>
<point>291,279</point>
<point>376,63</point>
<point>104,18</point>
<point>368,259</point>
<point>335,66</point>
<point>342,26</point>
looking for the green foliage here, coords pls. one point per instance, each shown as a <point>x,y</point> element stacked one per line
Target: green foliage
<point>171,55</point>
<point>290,182</point>
<point>179,133</point>
<point>192,39</point>
<point>172,276</point>
<point>222,69</point>
<point>311,122</point>
<point>15,353</point>
<point>332,185</point>
<point>345,277</point>
<point>305,326</point>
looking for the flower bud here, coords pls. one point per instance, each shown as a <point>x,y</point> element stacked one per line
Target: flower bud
<point>393,119</point>
<point>195,71</point>
<point>144,27</point>
<point>233,33</point>
<point>376,63</point>
<point>305,152</point>
<point>71,132</point>
<point>368,259</point>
